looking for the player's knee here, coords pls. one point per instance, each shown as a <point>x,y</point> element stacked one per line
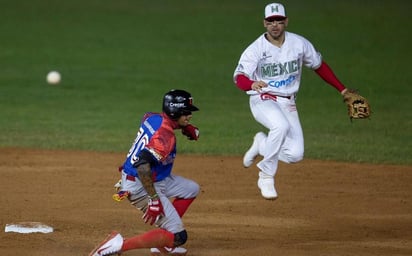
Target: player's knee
<point>296,156</point>
<point>196,189</point>
<point>193,188</point>
<point>180,238</point>
<point>291,156</point>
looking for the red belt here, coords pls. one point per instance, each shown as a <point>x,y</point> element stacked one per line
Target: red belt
<point>267,96</point>
<point>130,177</point>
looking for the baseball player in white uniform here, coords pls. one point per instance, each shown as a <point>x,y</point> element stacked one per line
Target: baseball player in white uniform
<point>269,71</point>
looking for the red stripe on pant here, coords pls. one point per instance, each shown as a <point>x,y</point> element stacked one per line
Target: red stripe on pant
<point>181,205</point>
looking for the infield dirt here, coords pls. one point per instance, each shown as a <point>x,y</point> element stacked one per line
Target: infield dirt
<point>324,208</point>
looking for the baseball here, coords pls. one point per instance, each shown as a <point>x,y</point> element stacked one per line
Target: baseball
<point>53,77</point>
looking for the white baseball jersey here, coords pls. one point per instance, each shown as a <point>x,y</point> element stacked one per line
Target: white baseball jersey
<point>280,68</point>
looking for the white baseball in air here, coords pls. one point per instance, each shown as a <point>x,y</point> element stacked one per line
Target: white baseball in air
<point>53,77</point>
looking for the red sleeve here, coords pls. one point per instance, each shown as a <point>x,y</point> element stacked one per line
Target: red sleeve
<point>326,73</point>
<point>243,82</point>
<point>163,141</point>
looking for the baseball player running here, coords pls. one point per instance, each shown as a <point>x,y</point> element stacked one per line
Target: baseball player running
<point>148,183</point>
<point>270,70</point>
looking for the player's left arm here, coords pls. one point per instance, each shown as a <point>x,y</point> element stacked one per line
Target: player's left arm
<point>327,74</point>
<point>358,106</point>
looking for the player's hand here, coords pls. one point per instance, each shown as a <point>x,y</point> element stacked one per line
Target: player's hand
<point>258,85</point>
<point>154,210</point>
<point>191,131</point>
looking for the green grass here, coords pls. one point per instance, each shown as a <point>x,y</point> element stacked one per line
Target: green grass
<point>118,58</point>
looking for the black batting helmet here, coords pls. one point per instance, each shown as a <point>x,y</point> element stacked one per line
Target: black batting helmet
<point>177,103</point>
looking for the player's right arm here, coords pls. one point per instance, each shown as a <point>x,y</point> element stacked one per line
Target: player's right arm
<point>244,83</point>
<point>246,68</point>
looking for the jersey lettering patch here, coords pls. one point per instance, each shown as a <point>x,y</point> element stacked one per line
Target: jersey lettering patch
<point>281,83</point>
<point>149,127</point>
<point>279,69</point>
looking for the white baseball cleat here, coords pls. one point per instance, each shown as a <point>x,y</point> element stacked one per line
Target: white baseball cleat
<point>253,151</point>
<point>112,245</point>
<point>169,251</point>
<point>267,187</point>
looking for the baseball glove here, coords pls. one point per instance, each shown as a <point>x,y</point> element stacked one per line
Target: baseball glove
<point>358,106</point>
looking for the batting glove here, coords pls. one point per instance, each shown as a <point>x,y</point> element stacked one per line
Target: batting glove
<point>154,210</point>
<point>191,131</point>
